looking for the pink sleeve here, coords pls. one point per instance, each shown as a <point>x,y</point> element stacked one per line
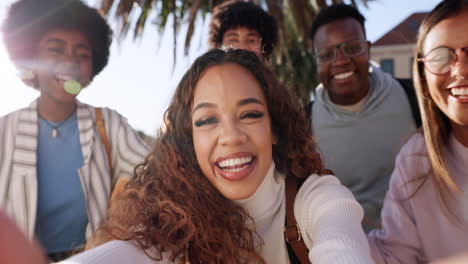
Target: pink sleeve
<point>398,241</point>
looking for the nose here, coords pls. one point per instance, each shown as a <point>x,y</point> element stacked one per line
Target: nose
<point>69,58</point>
<point>340,57</point>
<point>231,134</point>
<point>244,45</point>
<point>460,69</point>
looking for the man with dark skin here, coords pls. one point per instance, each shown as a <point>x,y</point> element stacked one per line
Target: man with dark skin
<point>361,116</point>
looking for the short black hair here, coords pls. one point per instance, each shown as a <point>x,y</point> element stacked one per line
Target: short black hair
<point>336,12</point>
<point>234,14</point>
<point>28,20</point>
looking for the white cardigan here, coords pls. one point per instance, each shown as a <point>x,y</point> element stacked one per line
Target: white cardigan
<point>327,213</point>
<point>18,158</point>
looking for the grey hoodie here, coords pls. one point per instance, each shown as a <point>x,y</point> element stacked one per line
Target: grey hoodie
<point>360,147</point>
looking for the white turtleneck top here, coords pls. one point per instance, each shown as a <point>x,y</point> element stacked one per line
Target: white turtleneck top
<point>327,213</point>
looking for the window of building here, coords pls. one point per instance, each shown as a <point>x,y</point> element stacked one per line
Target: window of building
<point>387,65</point>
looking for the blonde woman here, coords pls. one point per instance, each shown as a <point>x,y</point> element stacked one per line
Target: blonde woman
<point>425,214</point>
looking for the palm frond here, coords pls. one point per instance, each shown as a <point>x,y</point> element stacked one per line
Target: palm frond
<point>292,60</point>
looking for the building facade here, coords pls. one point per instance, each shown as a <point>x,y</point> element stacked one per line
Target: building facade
<point>393,52</point>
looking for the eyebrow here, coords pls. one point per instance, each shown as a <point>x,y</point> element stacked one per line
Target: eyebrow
<point>249,101</point>
<point>253,34</point>
<point>203,105</point>
<point>232,34</point>
<point>61,42</point>
<point>240,103</point>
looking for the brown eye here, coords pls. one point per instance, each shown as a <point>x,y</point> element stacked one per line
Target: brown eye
<point>205,121</point>
<point>254,115</point>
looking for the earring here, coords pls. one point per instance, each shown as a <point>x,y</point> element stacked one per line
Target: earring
<point>26,75</point>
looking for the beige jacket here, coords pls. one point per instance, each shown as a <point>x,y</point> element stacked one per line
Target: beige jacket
<point>18,157</point>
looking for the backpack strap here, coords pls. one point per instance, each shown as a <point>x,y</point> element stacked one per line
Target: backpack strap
<point>308,109</point>
<point>120,184</point>
<point>102,133</point>
<point>407,85</point>
<point>292,233</point>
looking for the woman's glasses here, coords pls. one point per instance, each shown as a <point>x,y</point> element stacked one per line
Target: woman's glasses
<point>349,48</point>
<point>441,60</point>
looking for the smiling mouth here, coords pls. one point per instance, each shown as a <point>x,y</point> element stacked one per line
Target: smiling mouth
<point>64,78</point>
<point>342,76</point>
<point>459,92</point>
<point>235,164</point>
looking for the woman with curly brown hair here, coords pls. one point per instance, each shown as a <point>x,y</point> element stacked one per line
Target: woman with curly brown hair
<point>213,189</point>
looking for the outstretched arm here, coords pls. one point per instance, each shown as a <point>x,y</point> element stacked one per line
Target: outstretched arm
<point>331,217</point>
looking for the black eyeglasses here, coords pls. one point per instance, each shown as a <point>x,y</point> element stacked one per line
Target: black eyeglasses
<point>349,48</point>
<point>441,60</point>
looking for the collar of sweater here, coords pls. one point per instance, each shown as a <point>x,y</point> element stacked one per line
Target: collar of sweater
<point>267,200</point>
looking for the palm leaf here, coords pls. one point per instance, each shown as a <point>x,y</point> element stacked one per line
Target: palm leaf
<point>293,59</point>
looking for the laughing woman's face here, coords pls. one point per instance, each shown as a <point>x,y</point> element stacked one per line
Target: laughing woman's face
<point>450,90</point>
<point>231,130</point>
<point>62,55</point>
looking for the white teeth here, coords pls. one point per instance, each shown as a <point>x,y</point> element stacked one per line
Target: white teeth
<point>234,162</point>
<point>235,169</point>
<point>65,77</point>
<point>459,91</point>
<point>342,76</point>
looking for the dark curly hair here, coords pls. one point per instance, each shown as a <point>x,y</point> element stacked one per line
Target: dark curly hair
<point>233,14</point>
<point>28,20</point>
<point>171,206</point>
<point>336,12</point>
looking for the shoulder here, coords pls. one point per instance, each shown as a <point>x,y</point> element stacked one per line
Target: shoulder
<point>17,113</point>
<point>113,252</point>
<point>319,192</point>
<point>319,184</point>
<point>413,157</point>
<point>416,145</point>
<point>412,162</point>
<point>10,121</point>
<point>106,112</point>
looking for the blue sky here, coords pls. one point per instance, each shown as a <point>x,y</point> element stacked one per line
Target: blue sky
<point>138,81</point>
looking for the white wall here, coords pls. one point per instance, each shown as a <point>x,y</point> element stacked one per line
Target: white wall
<point>401,55</point>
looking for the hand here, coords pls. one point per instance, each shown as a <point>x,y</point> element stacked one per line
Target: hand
<point>458,259</point>
<point>15,247</point>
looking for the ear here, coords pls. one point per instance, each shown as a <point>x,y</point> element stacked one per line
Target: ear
<point>28,77</point>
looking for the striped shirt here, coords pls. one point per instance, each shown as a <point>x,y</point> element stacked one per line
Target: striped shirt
<point>18,160</point>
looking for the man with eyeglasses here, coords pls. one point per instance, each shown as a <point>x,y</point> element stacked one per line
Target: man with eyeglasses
<point>361,116</point>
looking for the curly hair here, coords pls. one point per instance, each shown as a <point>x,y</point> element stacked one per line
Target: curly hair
<point>233,14</point>
<point>336,12</point>
<point>28,20</point>
<point>171,206</point>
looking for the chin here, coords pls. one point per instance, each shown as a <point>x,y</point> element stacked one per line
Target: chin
<point>238,195</point>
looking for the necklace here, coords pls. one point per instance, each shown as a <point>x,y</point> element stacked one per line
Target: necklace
<point>54,127</point>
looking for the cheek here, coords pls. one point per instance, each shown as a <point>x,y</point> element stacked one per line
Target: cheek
<point>362,63</point>
<point>202,143</point>
<point>323,72</point>
<point>265,138</point>
<point>255,49</point>
<point>435,84</point>
<point>87,69</point>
